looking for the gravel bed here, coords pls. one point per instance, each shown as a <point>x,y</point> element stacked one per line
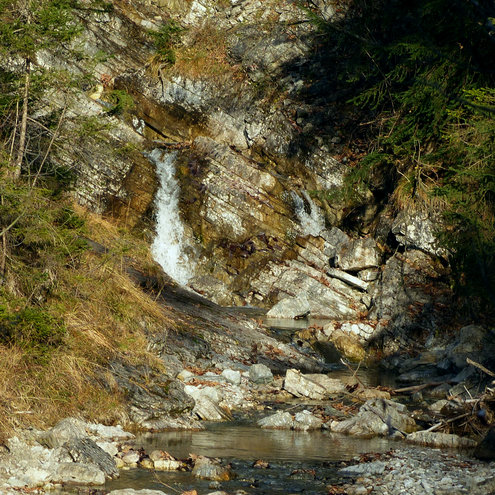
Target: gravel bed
<point>420,471</point>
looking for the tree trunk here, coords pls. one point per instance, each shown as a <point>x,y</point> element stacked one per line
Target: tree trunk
<point>16,173</point>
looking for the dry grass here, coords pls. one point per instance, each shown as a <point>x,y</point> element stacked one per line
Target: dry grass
<point>205,56</point>
<point>106,317</point>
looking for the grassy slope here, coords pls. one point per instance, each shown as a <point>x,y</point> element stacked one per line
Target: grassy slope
<point>97,308</point>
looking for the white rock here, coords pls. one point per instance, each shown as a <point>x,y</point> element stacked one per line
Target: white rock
<point>280,420</point>
<point>311,386</point>
<point>290,307</point>
<point>84,474</point>
<point>167,464</point>
<point>305,420</point>
<point>232,376</point>
<point>109,447</point>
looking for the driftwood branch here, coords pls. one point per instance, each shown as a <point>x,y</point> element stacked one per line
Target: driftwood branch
<point>481,367</point>
<point>417,388</point>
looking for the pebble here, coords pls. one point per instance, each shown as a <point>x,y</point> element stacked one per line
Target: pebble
<point>417,471</point>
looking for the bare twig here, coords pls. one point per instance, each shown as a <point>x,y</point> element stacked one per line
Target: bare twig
<point>480,366</point>
<point>348,366</point>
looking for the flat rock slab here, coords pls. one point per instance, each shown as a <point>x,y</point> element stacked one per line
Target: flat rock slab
<point>440,440</point>
<point>313,386</point>
<point>290,307</point>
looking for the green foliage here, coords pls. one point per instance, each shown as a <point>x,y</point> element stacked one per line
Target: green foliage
<point>165,39</point>
<point>34,330</point>
<point>422,73</point>
<point>32,25</point>
<point>121,101</point>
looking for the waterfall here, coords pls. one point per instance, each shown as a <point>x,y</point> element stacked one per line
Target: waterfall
<point>312,221</point>
<point>168,246</point>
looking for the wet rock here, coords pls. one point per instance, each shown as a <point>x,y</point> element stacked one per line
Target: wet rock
<point>348,344</point>
<point>260,374</point>
<point>311,386</point>
<point>211,469</point>
<point>440,440</point>
<point>85,451</point>
<point>485,450</point>
<point>146,463</point>
<point>377,417</point>
<point>305,421</point>
<point>365,469</point>
<point>131,491</point>
<point>279,421</point>
<point>291,307</point>
<point>358,255</point>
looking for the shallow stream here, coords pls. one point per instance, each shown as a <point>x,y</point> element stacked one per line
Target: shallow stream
<point>300,462</point>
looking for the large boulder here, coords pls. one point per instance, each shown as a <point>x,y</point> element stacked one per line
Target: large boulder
<point>67,429</point>
<point>76,473</point>
<point>305,421</point>
<point>211,469</point>
<point>312,386</point>
<point>470,343</point>
<point>377,417</point>
<point>347,343</point>
<point>85,451</point>
<point>417,230</point>
<point>358,254</point>
<point>290,307</point>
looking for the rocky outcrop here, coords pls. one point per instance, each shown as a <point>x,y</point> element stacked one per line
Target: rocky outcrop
<point>257,157</point>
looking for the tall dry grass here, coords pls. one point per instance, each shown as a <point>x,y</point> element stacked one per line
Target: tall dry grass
<point>106,317</point>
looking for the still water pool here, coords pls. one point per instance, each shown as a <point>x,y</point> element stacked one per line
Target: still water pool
<point>300,462</point>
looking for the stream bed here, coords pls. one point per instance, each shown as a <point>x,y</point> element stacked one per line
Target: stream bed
<point>299,462</point>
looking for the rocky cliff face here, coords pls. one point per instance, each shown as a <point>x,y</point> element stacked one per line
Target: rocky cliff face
<point>250,117</point>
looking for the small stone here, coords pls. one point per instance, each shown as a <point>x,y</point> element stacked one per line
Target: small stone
<point>232,376</point>
<point>260,374</point>
<point>131,458</point>
<point>167,465</point>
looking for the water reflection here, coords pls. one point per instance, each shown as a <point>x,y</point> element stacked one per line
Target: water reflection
<point>251,443</point>
<point>300,462</point>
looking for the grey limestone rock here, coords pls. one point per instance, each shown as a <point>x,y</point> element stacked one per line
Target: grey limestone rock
<point>65,430</point>
<point>377,417</point>
<point>211,469</point>
<point>312,386</point>
<point>85,451</point>
<point>440,440</point>
<point>72,472</point>
<point>358,254</point>
<point>278,421</point>
<point>290,307</point>
<point>260,374</point>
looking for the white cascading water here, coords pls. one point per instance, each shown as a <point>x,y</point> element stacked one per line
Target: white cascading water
<point>312,223</point>
<point>169,243</point>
